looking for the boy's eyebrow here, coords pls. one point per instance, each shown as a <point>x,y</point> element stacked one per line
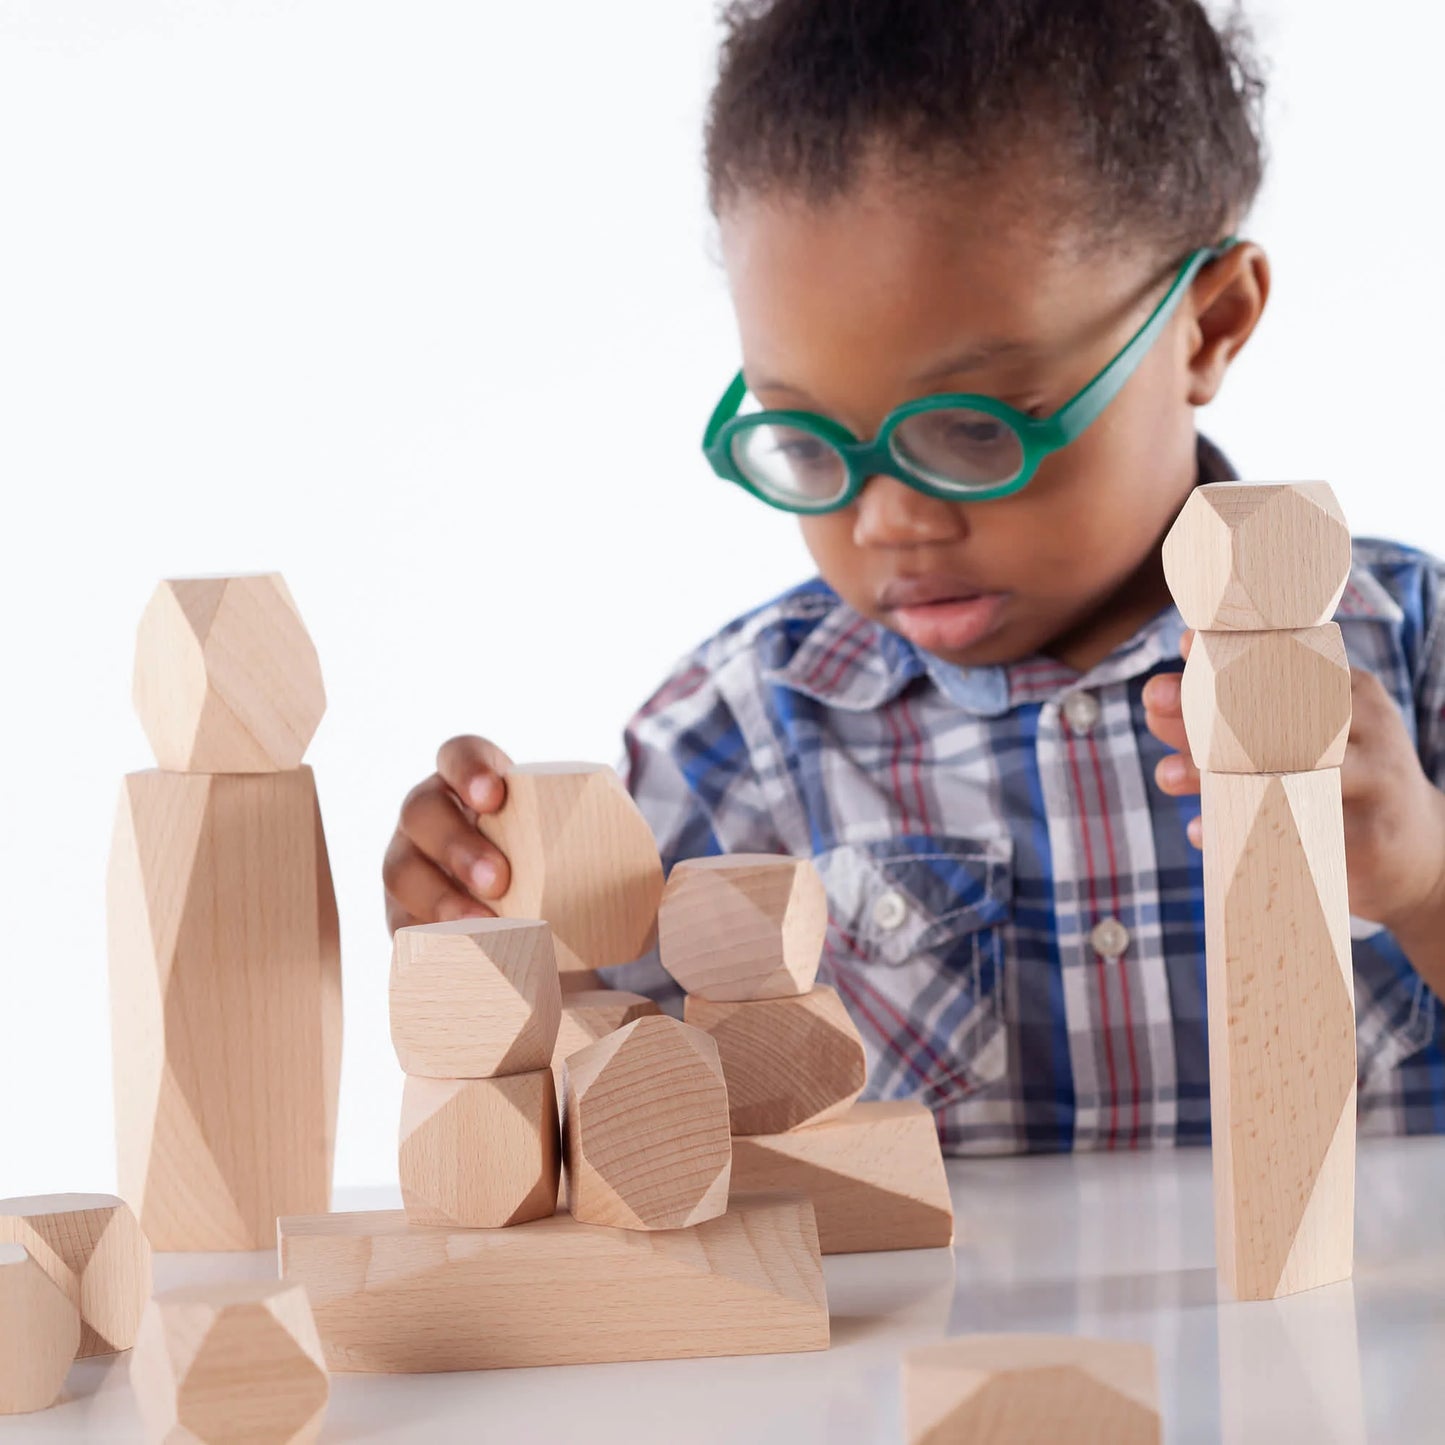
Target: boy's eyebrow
<point>974,359</point>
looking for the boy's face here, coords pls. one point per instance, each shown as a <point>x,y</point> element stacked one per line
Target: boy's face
<point>851,308</point>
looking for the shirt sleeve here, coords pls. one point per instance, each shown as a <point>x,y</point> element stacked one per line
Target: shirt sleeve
<point>1430,676</point>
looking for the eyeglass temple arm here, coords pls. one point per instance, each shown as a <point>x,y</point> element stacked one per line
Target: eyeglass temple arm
<point>725,410</point>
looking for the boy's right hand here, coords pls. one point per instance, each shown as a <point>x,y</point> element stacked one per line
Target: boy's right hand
<point>439,867</point>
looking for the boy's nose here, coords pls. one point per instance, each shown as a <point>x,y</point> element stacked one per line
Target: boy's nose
<point>890,513</point>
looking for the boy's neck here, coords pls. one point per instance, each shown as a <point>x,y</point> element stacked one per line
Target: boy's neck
<point>1142,597</point>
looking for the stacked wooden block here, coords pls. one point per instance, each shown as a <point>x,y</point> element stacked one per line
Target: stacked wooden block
<point>743,934</point>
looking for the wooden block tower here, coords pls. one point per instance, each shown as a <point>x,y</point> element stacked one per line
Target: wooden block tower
<point>1257,570</point>
<point>225,960</point>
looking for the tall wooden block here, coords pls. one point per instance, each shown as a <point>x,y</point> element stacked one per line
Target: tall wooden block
<point>583,857</point>
<point>474,998</point>
<point>231,1364</point>
<point>94,1250</point>
<point>393,1296</point>
<point>788,1062</point>
<point>647,1128</point>
<point>479,1153</point>
<point>1031,1390</point>
<point>226,677</point>
<point>1281,1031</point>
<point>39,1333</point>
<point>743,925</point>
<point>226,1005</point>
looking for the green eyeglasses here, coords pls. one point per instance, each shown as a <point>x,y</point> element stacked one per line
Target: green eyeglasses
<point>957,445</point>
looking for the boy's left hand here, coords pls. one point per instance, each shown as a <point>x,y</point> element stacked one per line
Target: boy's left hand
<point>1394,815</point>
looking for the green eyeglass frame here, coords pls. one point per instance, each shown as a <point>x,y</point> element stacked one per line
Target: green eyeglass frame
<point>1037,436</point>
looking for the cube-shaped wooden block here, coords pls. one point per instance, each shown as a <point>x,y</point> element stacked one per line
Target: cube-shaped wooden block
<point>39,1333</point>
<point>743,925</point>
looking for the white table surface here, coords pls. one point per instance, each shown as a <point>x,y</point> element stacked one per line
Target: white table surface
<point>1108,1245</point>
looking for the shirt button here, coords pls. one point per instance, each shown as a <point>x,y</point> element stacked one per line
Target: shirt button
<point>890,910</point>
<point>1082,710</point>
<point>1109,937</point>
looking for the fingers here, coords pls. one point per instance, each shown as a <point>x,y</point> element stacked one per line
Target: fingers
<point>1175,774</point>
<point>1186,642</point>
<point>417,891</point>
<point>473,769</point>
<point>1195,830</point>
<point>446,836</point>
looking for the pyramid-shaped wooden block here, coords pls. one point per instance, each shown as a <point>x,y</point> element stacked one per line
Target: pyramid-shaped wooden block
<point>40,1331</point>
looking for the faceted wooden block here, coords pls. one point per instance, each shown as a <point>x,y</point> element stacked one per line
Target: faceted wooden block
<point>1250,557</point>
<point>226,677</point>
<point>225,1004</point>
<point>743,925</point>
<point>474,998</point>
<point>787,1061</point>
<point>479,1153</point>
<point>1281,1031</point>
<point>93,1248</point>
<point>39,1333</point>
<point>1267,702</point>
<point>588,1015</point>
<point>647,1128</point>
<point>231,1364</point>
<point>582,857</point>
<point>1023,1389</point>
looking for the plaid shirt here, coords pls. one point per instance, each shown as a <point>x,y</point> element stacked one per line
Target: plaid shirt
<point>1016,914</point>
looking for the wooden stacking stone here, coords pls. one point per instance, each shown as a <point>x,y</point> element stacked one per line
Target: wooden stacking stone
<point>39,1333</point>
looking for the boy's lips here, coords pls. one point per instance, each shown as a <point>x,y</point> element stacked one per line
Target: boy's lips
<point>940,613</point>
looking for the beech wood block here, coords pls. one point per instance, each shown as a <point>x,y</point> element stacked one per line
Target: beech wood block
<point>226,676</point>
<point>1257,557</point>
<point>92,1247</point>
<point>394,1296</point>
<point>583,857</point>
<point>1267,702</point>
<point>875,1176</point>
<point>225,973</point>
<point>646,1125</point>
<point>39,1333</point>
<point>474,998</point>
<point>231,1364</point>
<point>788,1062</point>
<point>1281,1031</point>
<point>1031,1390</point>
<point>590,1014</point>
<point>743,925</point>
<point>479,1153</point>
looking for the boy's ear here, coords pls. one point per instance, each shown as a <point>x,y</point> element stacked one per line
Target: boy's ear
<point>1228,297</point>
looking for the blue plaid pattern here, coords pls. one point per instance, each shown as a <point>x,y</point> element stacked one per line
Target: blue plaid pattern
<point>976,827</point>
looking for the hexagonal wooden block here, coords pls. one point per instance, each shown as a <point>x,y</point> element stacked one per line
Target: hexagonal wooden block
<point>787,1061</point>
<point>647,1128</point>
<point>1250,557</point>
<point>474,998</point>
<point>1267,702</point>
<point>583,857</point>
<point>479,1153</point>
<point>231,1364</point>
<point>743,925</point>
<point>591,1014</point>
<point>226,676</point>
<point>94,1250</point>
<point>40,1331</point>
<point>1022,1389</point>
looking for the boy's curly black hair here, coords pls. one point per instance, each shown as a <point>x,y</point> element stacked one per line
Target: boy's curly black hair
<point>1145,115</point>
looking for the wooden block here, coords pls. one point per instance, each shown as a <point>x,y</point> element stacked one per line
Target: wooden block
<point>875,1176</point>
<point>231,1364</point>
<point>743,925</point>
<point>92,1247</point>
<point>1031,1390</point>
<point>588,1015</point>
<point>474,998</point>
<point>39,1333</point>
<point>393,1296</point>
<point>583,857</point>
<point>226,677</point>
<point>1267,702</point>
<point>1250,557</point>
<point>1281,1030</point>
<point>479,1153</point>
<point>788,1062</point>
<point>225,1003</point>
<point>647,1128</point>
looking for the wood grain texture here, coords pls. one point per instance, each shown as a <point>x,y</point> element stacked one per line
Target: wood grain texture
<point>39,1333</point>
<point>474,998</point>
<point>788,1062</point>
<point>588,1015</point>
<point>226,1005</point>
<point>875,1176</point>
<point>393,1296</point>
<point>231,1364</point>
<point>582,857</point>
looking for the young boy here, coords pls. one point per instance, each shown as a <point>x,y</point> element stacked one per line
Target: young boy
<point>968,718</point>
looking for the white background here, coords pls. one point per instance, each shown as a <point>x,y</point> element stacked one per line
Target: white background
<point>362,291</point>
